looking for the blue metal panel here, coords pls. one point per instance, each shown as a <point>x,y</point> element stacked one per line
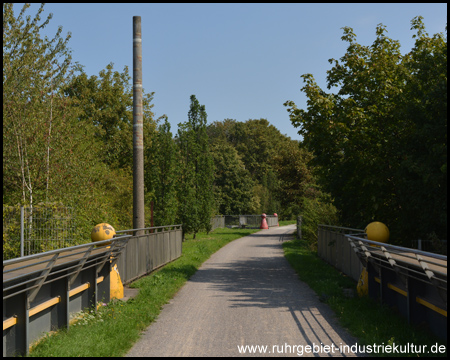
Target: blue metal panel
<point>29,282</point>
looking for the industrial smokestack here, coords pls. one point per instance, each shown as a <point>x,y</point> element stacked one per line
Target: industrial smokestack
<point>138,131</point>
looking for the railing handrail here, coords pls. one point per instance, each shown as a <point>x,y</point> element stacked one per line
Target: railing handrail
<point>341,227</point>
<point>147,228</point>
<point>398,248</point>
<point>259,215</point>
<point>96,255</point>
<point>66,249</point>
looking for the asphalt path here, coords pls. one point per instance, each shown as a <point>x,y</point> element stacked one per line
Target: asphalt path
<point>246,294</point>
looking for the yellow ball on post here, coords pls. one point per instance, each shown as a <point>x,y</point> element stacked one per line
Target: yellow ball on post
<point>101,232</point>
<point>377,231</point>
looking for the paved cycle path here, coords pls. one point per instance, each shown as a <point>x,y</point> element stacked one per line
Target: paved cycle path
<point>246,294</point>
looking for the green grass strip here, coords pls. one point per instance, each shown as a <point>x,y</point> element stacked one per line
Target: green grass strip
<point>367,320</point>
<point>114,328</point>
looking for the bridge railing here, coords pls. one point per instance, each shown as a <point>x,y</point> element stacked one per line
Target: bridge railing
<point>334,248</point>
<point>248,221</point>
<point>149,249</point>
<point>414,281</point>
<point>41,291</point>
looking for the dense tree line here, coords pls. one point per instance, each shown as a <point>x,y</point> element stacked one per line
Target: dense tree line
<point>380,141</point>
<point>375,149</point>
<point>67,138</point>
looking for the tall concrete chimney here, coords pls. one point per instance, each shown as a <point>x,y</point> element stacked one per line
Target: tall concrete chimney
<point>138,131</point>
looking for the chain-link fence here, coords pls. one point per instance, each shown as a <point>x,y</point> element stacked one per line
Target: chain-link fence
<point>34,229</point>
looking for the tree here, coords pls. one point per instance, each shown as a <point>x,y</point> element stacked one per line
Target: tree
<point>195,194</point>
<point>362,136</point>
<point>422,174</point>
<point>296,181</point>
<point>49,155</point>
<point>161,175</point>
<point>106,102</point>
<point>233,184</point>
<point>262,148</point>
<point>34,70</point>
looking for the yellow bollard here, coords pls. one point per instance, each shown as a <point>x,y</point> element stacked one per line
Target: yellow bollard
<point>363,287</point>
<point>116,291</point>
<point>101,232</point>
<point>376,231</point>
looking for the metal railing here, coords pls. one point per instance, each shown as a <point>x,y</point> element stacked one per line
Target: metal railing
<point>434,246</point>
<point>334,248</point>
<point>29,230</point>
<point>217,221</point>
<point>248,221</point>
<point>422,265</point>
<point>412,280</point>
<point>149,249</point>
<point>41,291</point>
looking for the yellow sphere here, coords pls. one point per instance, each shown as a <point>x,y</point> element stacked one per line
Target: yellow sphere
<point>377,231</point>
<point>102,231</point>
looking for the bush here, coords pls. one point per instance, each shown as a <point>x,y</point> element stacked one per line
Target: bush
<point>317,211</point>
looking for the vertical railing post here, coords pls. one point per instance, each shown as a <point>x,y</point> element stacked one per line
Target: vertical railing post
<point>21,231</point>
<point>299,226</point>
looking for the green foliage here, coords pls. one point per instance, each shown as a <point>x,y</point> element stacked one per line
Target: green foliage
<point>161,175</point>
<point>276,165</point>
<point>380,142</point>
<point>295,179</point>
<point>11,232</point>
<point>233,184</point>
<point>316,211</point>
<point>195,194</point>
<point>106,102</point>
<point>67,137</point>
<point>255,142</point>
<point>104,106</point>
<point>34,141</point>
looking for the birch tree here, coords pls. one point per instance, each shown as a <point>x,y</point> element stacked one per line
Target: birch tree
<point>34,70</point>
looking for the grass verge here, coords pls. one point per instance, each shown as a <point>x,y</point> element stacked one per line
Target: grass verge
<point>367,320</point>
<point>115,327</point>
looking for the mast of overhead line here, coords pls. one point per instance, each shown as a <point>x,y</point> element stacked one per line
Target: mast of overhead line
<point>138,131</point>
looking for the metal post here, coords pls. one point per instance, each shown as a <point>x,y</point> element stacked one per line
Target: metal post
<point>138,134</point>
<point>21,230</point>
<point>151,214</point>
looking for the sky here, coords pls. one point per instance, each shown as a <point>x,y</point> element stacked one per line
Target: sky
<point>242,61</point>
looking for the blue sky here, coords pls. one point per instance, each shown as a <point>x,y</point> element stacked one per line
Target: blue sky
<point>242,61</point>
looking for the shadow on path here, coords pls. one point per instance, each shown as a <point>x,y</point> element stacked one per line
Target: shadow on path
<point>269,282</point>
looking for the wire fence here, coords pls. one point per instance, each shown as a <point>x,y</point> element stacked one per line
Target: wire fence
<point>30,230</point>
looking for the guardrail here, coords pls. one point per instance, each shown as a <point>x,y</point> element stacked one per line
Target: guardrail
<point>41,291</point>
<point>414,281</point>
<point>334,248</point>
<point>149,249</point>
